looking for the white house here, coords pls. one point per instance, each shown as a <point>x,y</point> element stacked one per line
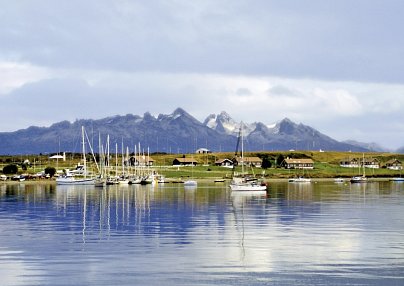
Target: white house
<point>203,151</point>
<point>394,164</point>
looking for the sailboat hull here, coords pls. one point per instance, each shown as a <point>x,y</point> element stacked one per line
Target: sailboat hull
<point>248,187</point>
<point>73,181</point>
<point>359,180</point>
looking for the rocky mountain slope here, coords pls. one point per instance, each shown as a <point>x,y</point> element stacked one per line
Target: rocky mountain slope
<point>178,132</point>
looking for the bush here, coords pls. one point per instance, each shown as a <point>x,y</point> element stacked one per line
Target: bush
<point>266,163</point>
<point>10,169</point>
<point>51,171</point>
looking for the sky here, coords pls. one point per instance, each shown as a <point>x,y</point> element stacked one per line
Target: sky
<point>337,66</point>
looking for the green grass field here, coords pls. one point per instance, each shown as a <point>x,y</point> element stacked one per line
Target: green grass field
<point>326,164</point>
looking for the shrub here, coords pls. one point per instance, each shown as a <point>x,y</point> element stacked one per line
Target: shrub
<point>51,171</point>
<point>10,169</point>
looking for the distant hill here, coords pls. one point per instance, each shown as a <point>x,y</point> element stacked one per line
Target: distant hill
<point>400,150</point>
<point>370,146</point>
<point>178,132</point>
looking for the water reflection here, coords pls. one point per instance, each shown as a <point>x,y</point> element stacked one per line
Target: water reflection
<point>296,234</point>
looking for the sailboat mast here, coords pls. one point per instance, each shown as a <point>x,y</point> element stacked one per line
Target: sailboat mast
<point>116,159</point>
<point>84,152</point>
<point>108,152</point>
<point>363,163</point>
<point>123,167</point>
<point>236,152</point>
<point>242,148</point>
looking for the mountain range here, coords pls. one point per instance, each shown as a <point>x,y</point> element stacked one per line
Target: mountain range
<point>178,132</point>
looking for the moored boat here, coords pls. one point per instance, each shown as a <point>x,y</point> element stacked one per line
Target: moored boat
<point>241,184</point>
<point>363,178</point>
<point>189,183</point>
<point>69,179</point>
<point>244,183</point>
<point>397,179</point>
<point>299,180</point>
<point>359,179</point>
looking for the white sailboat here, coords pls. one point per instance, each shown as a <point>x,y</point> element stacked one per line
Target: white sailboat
<point>69,179</point>
<point>363,178</point>
<point>397,179</point>
<point>191,182</point>
<point>244,183</point>
<point>299,180</point>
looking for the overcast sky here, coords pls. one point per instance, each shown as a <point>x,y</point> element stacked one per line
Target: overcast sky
<point>337,66</point>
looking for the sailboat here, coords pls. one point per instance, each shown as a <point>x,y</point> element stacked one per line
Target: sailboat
<point>69,179</point>
<point>398,179</point>
<point>299,180</point>
<point>244,183</point>
<point>191,182</point>
<point>363,178</point>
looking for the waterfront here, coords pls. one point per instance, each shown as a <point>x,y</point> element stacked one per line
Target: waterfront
<point>298,234</point>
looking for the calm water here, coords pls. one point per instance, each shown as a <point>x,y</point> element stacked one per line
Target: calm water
<point>307,234</point>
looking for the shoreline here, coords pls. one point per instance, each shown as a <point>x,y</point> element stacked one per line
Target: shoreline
<point>212,180</point>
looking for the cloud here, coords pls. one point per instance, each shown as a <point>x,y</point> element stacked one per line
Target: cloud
<point>268,38</point>
<point>15,74</point>
<point>352,109</point>
<point>322,64</point>
<point>337,102</point>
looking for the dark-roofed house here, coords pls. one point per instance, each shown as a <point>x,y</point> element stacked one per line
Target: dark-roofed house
<point>184,162</point>
<point>141,161</point>
<point>359,162</point>
<point>394,164</point>
<point>297,163</point>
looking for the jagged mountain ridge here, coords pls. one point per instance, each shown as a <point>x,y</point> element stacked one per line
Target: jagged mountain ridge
<point>178,132</point>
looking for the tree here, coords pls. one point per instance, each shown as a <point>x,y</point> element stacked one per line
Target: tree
<point>10,169</point>
<point>51,171</point>
<point>266,163</point>
<point>279,160</point>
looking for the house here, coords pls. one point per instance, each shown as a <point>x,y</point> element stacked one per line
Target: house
<point>203,151</point>
<point>297,163</point>
<point>224,163</point>
<point>358,162</point>
<point>394,164</point>
<point>248,161</point>
<point>141,161</point>
<point>184,162</point>
<point>350,163</point>
<point>57,157</point>
<point>371,163</point>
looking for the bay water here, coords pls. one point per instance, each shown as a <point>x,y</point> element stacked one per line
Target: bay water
<point>319,233</point>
